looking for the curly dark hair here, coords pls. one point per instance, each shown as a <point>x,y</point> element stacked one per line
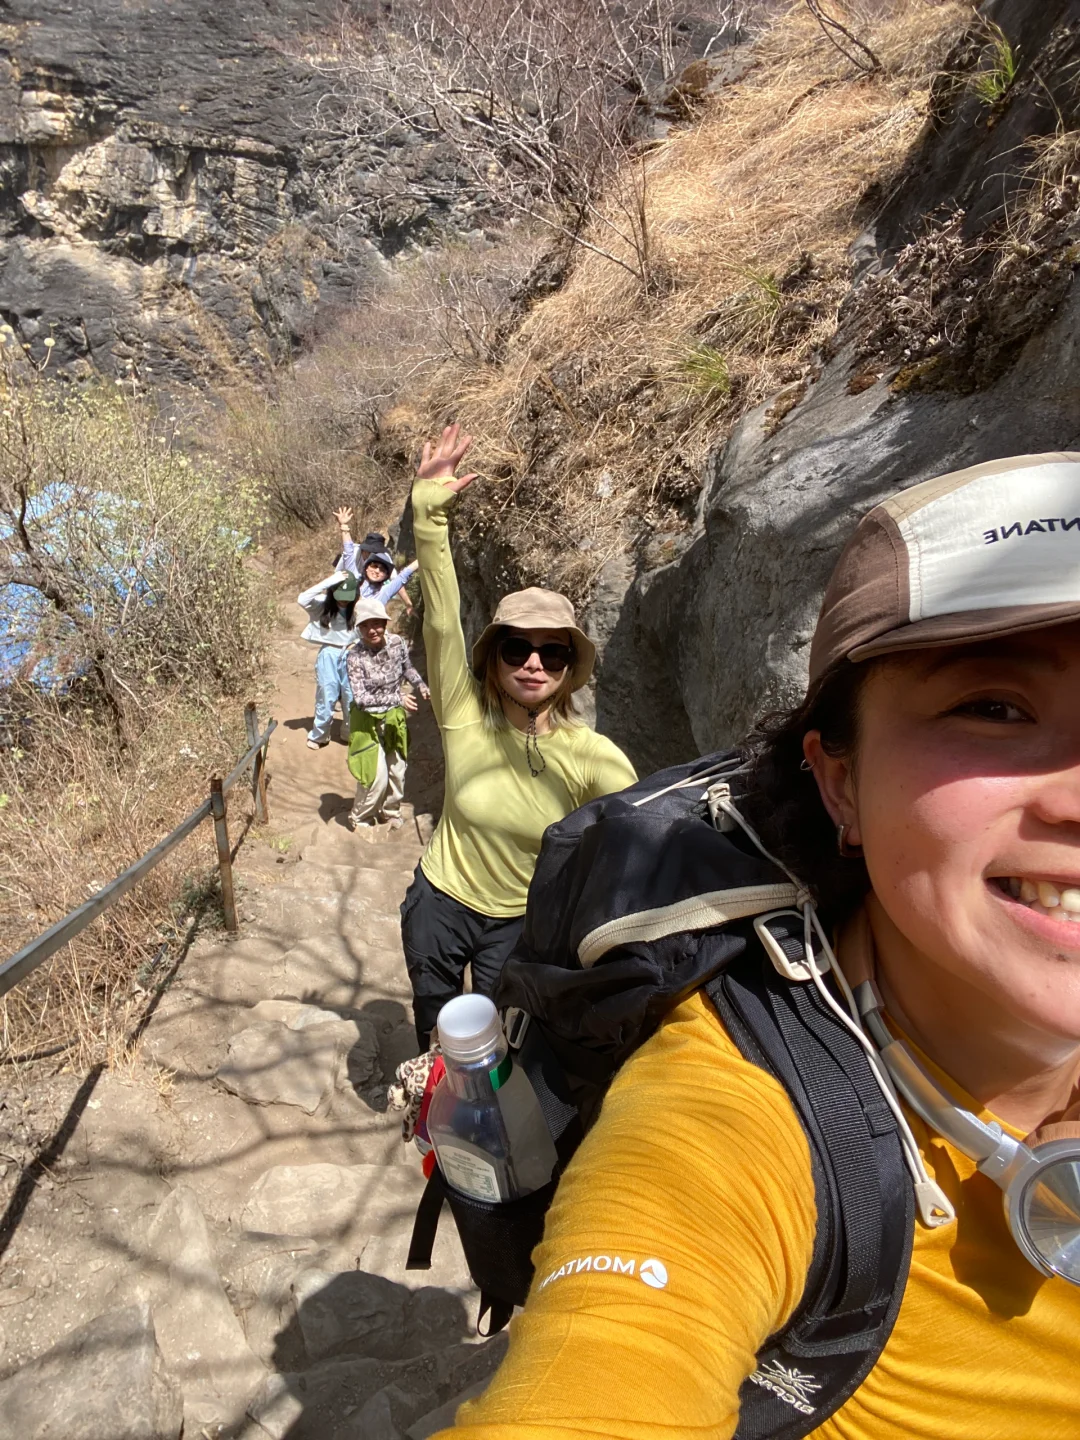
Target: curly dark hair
<point>781,798</point>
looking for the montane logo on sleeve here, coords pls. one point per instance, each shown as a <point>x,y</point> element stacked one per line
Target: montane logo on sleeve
<point>652,1272</point>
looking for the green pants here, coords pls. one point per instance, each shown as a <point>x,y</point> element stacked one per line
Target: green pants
<point>368,734</point>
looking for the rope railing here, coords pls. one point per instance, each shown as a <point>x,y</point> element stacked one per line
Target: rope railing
<point>16,969</point>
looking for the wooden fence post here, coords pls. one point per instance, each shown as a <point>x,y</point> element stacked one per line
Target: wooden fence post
<point>258,765</point>
<point>224,855</point>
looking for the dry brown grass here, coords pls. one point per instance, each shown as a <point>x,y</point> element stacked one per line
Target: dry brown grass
<point>77,810</point>
<point>595,420</point>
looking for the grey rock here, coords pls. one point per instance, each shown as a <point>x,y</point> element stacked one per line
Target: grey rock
<point>336,1399</point>
<point>353,1312</point>
<point>362,1214</point>
<point>779,508</point>
<point>200,1337</point>
<point>258,1272</point>
<point>106,1378</point>
<point>296,1060</point>
<point>175,190</point>
<point>443,1418</point>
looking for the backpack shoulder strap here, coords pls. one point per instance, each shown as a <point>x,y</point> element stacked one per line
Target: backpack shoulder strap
<point>864,1196</point>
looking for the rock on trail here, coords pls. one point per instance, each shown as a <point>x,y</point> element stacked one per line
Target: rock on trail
<point>219,1249</point>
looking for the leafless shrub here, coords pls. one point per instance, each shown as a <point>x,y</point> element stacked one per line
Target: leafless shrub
<point>538,102</point>
<point>309,441</point>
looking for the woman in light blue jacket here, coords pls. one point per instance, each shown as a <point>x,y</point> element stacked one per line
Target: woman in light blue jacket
<point>329,606</point>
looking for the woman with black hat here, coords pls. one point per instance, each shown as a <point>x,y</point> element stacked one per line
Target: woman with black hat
<point>517,756</point>
<point>329,606</point>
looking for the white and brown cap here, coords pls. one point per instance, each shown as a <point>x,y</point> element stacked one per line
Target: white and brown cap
<point>991,550</point>
<point>538,609</point>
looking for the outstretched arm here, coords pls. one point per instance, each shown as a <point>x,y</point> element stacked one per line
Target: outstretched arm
<point>434,492</point>
<point>348,544</point>
<point>307,596</point>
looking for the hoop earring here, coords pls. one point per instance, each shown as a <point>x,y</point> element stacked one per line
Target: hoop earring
<point>846,851</point>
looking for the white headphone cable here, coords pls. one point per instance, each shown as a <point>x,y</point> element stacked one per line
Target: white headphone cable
<point>934,1205</point>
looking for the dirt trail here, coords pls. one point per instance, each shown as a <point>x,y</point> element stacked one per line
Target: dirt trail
<point>223,1236</point>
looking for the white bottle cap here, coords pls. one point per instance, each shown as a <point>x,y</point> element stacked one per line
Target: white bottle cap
<point>469,1028</point>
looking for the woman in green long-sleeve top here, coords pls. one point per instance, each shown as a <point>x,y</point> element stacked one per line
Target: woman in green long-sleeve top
<point>517,757</point>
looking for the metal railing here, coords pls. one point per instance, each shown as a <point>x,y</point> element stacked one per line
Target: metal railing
<point>22,964</point>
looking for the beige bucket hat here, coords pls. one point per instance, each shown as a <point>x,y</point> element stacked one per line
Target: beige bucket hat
<point>538,609</point>
<point>991,550</point>
<point>368,610</point>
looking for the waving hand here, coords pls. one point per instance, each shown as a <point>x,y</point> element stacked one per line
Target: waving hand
<point>440,460</point>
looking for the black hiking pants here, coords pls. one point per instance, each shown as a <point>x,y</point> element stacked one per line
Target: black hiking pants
<point>440,937</point>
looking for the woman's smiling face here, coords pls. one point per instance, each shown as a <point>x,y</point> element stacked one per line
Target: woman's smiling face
<point>965,795</point>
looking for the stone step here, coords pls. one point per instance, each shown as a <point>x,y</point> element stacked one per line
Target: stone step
<point>364,1399</point>
<point>375,849</point>
<point>361,1214</point>
<point>293,913</point>
<point>355,883</point>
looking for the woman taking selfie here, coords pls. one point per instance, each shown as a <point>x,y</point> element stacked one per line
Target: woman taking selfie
<point>927,793</point>
<point>517,757</point>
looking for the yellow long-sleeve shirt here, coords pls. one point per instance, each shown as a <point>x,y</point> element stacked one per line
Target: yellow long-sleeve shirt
<point>484,848</point>
<point>698,1162</point>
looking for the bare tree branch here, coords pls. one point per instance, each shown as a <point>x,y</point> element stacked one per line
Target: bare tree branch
<point>854,51</point>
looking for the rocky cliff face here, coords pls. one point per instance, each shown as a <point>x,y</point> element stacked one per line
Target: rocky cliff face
<point>173,193</point>
<point>959,343</point>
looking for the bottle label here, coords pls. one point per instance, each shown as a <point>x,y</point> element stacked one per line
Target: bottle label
<point>469,1173</point>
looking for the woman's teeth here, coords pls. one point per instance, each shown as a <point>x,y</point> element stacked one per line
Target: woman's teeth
<point>1046,898</point>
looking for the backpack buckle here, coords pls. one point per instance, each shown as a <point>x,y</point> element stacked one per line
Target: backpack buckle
<point>516,1024</point>
<point>784,963</point>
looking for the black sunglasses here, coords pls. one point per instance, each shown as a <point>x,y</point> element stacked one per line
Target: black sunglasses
<point>515,651</point>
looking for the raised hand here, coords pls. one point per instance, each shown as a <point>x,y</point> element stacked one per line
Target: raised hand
<point>440,460</point>
<point>343,517</point>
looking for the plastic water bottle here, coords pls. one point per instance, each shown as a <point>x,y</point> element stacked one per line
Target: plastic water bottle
<point>490,1136</point>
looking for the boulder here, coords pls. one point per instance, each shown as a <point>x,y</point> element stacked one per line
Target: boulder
<point>105,1379</point>
<point>200,1337</point>
<point>295,1055</point>
<point>443,1418</point>
<point>363,1399</point>
<point>738,611</point>
<point>258,1273</point>
<point>362,1213</point>
<point>352,1312</point>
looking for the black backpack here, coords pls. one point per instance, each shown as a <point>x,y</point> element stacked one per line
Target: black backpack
<point>639,899</point>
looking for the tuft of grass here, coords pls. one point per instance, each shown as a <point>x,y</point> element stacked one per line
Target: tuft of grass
<point>706,371</point>
<point>993,82</point>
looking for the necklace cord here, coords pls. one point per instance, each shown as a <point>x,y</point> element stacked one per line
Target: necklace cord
<point>532,747</point>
